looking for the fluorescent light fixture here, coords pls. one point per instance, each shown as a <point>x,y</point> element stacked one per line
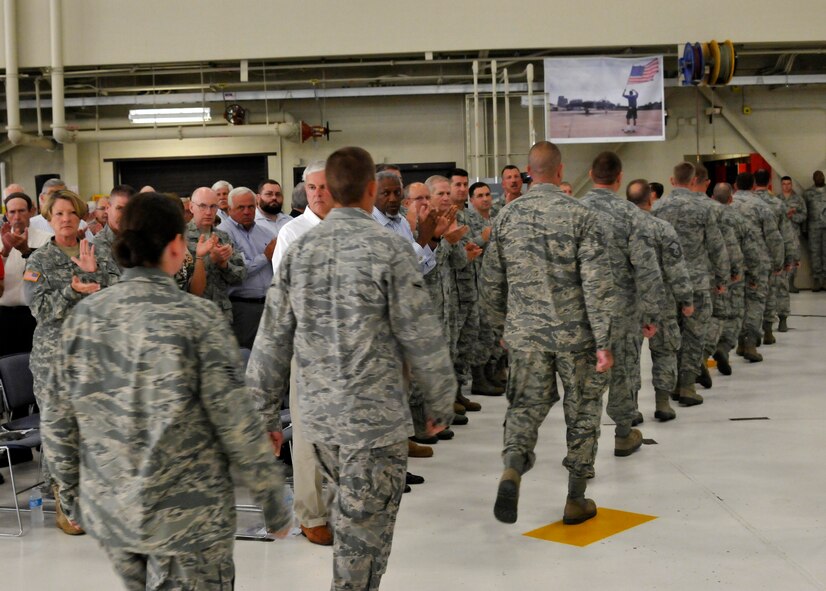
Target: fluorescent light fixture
<point>161,116</point>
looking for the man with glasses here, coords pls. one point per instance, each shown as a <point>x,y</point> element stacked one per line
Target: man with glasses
<point>270,202</point>
<point>216,262</point>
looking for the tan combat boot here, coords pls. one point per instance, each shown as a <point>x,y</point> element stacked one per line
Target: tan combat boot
<point>625,446</point>
<point>62,521</point>
<point>783,327</point>
<point>481,385</point>
<point>687,392</point>
<point>750,350</point>
<point>507,497</point>
<point>664,411</point>
<point>768,336</point>
<point>577,507</point>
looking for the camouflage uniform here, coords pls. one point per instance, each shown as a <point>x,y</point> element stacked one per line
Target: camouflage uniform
<point>798,220</point>
<point>487,345</point>
<point>760,219</point>
<point>48,290</point>
<point>143,454</point>
<point>755,270</point>
<point>103,241</point>
<point>705,254</point>
<point>779,284</point>
<point>721,303</point>
<point>640,296</point>
<point>349,298</point>
<point>217,279</point>
<point>468,310</point>
<point>815,198</point>
<point>665,344</point>
<point>546,286</point>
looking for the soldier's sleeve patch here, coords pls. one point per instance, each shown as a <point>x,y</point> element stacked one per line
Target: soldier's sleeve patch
<point>32,276</point>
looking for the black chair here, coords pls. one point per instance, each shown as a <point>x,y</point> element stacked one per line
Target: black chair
<point>23,433</point>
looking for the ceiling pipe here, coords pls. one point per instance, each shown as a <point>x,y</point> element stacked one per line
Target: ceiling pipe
<point>287,127</point>
<point>15,131</point>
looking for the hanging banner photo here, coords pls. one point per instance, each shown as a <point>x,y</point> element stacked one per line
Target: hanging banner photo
<point>604,99</point>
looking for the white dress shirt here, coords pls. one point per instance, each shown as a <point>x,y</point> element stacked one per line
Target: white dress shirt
<point>292,230</point>
<point>15,267</point>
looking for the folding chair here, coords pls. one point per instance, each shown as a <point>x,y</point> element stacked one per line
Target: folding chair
<point>17,387</point>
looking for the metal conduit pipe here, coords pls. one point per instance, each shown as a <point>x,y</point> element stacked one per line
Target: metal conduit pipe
<point>476,117</point>
<point>15,131</point>
<point>507,116</point>
<point>531,131</point>
<point>495,120</point>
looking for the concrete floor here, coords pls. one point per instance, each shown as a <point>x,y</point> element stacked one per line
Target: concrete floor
<point>738,503</point>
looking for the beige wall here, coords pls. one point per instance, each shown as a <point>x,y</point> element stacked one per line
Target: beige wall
<point>127,31</point>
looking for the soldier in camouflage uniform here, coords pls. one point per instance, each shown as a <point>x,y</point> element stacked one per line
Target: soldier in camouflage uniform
<point>640,293</point>
<point>58,276</point>
<point>103,241</point>
<point>760,218</point>
<point>546,286</point>
<point>778,284</point>
<point>705,254</point>
<point>665,344</point>
<point>466,289</point>
<point>720,302</point>
<point>217,263</point>
<point>349,299</point>
<point>143,454</point>
<point>511,188</point>
<point>755,270</point>
<point>797,213</point>
<point>815,197</point>
<point>488,354</point>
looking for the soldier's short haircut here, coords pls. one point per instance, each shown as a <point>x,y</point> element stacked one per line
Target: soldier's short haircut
<point>509,167</point>
<point>657,188</point>
<point>606,168</point>
<point>638,192</point>
<point>762,178</point>
<point>432,181</point>
<point>267,182</point>
<point>478,185</point>
<point>544,158</point>
<point>237,192</point>
<point>299,198</point>
<point>18,195</point>
<point>456,172</point>
<point>683,173</point>
<point>150,222</point>
<point>51,183</point>
<point>388,175</point>
<point>722,193</point>
<point>78,204</point>
<point>312,168</point>
<point>349,171</point>
<point>122,191</point>
<point>785,178</point>
<point>818,178</point>
<point>700,173</point>
<point>744,182</point>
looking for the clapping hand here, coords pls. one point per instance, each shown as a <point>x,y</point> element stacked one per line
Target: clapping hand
<point>205,245</point>
<point>473,250</point>
<point>84,288</point>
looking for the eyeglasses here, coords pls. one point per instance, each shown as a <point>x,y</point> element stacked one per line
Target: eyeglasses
<point>205,207</point>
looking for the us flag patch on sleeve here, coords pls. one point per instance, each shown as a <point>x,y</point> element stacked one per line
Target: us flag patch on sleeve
<point>32,276</point>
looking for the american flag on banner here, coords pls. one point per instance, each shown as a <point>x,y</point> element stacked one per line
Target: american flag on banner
<point>643,74</point>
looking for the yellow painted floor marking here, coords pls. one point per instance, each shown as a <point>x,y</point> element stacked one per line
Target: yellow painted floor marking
<point>608,522</point>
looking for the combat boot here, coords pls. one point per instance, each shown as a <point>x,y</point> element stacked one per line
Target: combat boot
<point>783,327</point>
<point>723,365</point>
<point>740,347</point>
<point>663,411</point>
<point>688,394</point>
<point>768,337</point>
<point>792,286</point>
<point>507,497</point>
<point>459,408</point>
<point>414,450</point>
<point>481,385</point>
<point>638,419</point>
<point>577,507</point>
<point>495,375</point>
<point>62,521</point>
<point>460,420</point>
<point>817,285</point>
<point>704,377</point>
<point>750,350</point>
<point>625,446</point>
<point>469,405</point>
